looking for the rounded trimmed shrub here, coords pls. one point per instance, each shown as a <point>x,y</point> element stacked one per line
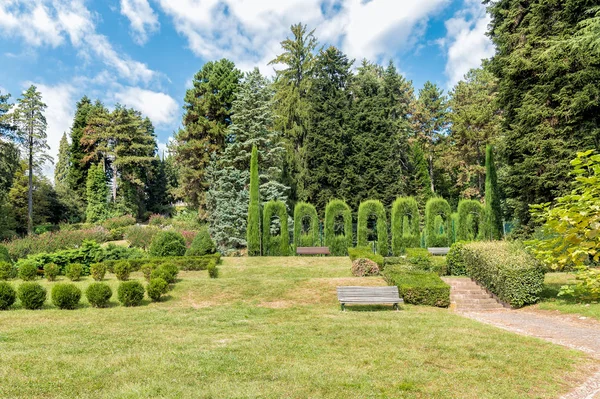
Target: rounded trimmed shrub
<point>167,243</point>
<point>27,270</point>
<point>66,296</point>
<point>98,294</point>
<point>367,209</point>
<point>438,223</point>
<point>338,244</point>
<point>122,270</point>
<point>455,260</point>
<point>275,245</point>
<point>74,271</point>
<point>213,270</point>
<point>32,295</point>
<point>98,270</point>
<point>51,270</point>
<point>405,225</point>
<point>202,244</point>
<point>147,270</point>
<point>131,293</point>
<point>6,270</point>
<point>8,295</point>
<point>364,267</point>
<point>166,271</point>
<point>156,288</point>
<point>310,237</point>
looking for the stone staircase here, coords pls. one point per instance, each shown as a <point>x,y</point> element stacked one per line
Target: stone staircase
<point>467,296</point>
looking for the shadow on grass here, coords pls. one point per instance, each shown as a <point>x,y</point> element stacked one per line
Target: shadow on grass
<point>370,308</point>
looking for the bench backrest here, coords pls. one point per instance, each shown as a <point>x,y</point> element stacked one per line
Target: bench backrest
<point>368,292</point>
<point>439,251</point>
<point>312,250</point>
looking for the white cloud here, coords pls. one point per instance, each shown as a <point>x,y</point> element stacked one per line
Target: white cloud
<point>465,41</point>
<point>159,107</point>
<point>249,33</point>
<point>60,100</point>
<point>142,18</point>
<point>52,22</point>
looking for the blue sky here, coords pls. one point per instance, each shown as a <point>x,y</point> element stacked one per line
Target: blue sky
<point>144,53</point>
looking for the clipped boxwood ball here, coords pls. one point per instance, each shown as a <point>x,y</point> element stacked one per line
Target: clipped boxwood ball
<point>167,243</point>
<point>6,270</point>
<point>8,295</point>
<point>122,270</point>
<point>98,294</point>
<point>51,271</point>
<point>156,288</point>
<point>202,244</point>
<point>74,271</point>
<point>66,296</point>
<point>131,293</point>
<point>32,295</point>
<point>28,270</point>
<point>166,271</point>
<point>98,270</point>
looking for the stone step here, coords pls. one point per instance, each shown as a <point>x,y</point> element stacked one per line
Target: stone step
<point>460,302</point>
<point>466,295</point>
<point>478,295</point>
<point>467,292</point>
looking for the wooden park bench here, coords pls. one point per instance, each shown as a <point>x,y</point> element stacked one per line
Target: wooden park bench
<point>313,251</point>
<point>439,251</point>
<point>369,296</point>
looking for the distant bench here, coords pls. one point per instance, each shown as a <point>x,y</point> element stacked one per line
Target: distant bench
<point>313,251</point>
<point>439,251</point>
<point>369,296</point>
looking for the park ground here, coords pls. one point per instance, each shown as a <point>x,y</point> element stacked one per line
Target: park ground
<point>272,328</point>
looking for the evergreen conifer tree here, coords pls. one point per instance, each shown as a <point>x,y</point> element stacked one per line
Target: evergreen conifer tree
<point>97,194</point>
<point>77,173</point>
<point>254,230</point>
<point>492,229</point>
<point>62,166</point>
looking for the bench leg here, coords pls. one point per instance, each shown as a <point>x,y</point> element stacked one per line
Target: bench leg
<point>396,306</point>
<point>343,308</point>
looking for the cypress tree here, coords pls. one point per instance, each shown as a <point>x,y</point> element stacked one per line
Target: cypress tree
<point>77,174</point>
<point>62,166</point>
<point>493,229</point>
<point>253,230</point>
<point>419,184</point>
<point>97,194</point>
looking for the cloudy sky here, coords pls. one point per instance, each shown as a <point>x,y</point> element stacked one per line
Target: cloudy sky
<point>143,53</point>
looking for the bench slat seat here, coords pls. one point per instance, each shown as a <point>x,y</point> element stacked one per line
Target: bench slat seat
<point>369,296</point>
<point>313,251</point>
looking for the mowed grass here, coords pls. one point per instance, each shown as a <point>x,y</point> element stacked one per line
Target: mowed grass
<point>272,328</point>
<point>550,301</point>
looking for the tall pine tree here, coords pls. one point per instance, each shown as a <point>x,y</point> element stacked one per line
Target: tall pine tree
<point>207,116</point>
<point>61,169</point>
<point>77,173</point>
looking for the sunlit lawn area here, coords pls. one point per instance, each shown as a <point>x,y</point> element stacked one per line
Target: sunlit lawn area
<point>272,328</point>
<point>553,282</point>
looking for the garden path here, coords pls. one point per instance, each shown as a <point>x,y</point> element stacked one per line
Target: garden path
<point>573,331</point>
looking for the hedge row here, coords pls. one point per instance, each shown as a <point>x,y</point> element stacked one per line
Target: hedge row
<point>418,287</point>
<point>405,225</point>
<point>366,253</point>
<point>309,238</point>
<point>470,220</point>
<point>182,262</point>
<point>338,243</point>
<point>505,269</point>
<point>438,223</point>
<point>366,210</point>
<point>275,245</point>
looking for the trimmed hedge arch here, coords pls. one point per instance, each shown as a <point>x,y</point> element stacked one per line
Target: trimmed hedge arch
<point>310,239</point>
<point>470,213</point>
<point>275,245</point>
<point>338,244</point>
<point>405,225</point>
<point>365,210</point>
<point>438,207</point>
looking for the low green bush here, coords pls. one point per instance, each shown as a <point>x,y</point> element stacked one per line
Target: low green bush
<point>7,270</point>
<point>98,271</point>
<point>147,270</point>
<point>505,269</point>
<point>119,252</point>
<point>66,296</point>
<point>419,287</point>
<point>365,253</point>
<point>364,267</point>
<point>131,293</point>
<point>89,252</point>
<point>213,270</point>
<point>167,243</point>
<point>27,270</point>
<point>8,295</point>
<point>118,222</point>
<point>98,294</point>
<point>202,244</point>
<point>158,220</point>
<point>166,271</point>
<point>32,295</point>
<point>74,271</point>
<point>456,259</point>
<point>51,271</point>
<point>183,262</point>
<point>122,270</point>
<point>4,254</point>
<point>420,257</point>
<point>140,236</point>
<point>156,288</point>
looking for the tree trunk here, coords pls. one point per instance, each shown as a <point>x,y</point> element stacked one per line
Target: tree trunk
<point>114,182</point>
<point>30,193</point>
<point>431,172</point>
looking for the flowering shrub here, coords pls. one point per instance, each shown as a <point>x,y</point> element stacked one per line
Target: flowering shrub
<point>158,220</point>
<point>364,267</point>
<point>118,222</point>
<point>52,242</point>
<point>140,236</point>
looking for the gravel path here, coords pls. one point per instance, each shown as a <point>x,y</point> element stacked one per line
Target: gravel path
<point>572,331</point>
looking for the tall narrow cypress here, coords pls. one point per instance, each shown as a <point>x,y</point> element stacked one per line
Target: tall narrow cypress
<point>493,213</point>
<point>253,231</point>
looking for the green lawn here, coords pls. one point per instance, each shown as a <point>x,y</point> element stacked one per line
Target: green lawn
<point>553,282</point>
<point>272,328</point>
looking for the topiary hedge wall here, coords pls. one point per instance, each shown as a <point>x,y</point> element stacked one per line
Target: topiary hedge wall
<point>470,220</point>
<point>278,245</point>
<point>365,210</point>
<point>253,229</point>
<point>405,225</point>
<point>434,238</point>
<point>338,243</point>
<point>311,237</point>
